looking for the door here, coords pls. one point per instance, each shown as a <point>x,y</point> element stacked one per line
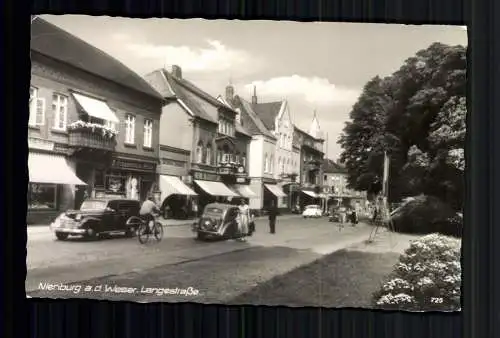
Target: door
<point>145,188</point>
<point>122,214</point>
<point>110,217</point>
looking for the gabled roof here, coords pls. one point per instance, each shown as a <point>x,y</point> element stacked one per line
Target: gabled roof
<point>238,126</point>
<point>58,44</point>
<point>268,112</point>
<point>253,123</point>
<point>197,104</point>
<point>332,167</point>
<point>301,131</point>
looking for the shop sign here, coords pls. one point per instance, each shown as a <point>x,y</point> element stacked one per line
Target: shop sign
<point>199,175</point>
<point>122,164</point>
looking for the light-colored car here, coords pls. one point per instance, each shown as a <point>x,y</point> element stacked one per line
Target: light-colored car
<point>311,211</point>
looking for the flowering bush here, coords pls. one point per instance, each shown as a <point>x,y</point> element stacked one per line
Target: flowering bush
<point>427,277</point>
<point>94,127</point>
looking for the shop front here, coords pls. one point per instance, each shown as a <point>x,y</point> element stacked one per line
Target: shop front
<point>273,194</point>
<point>210,189</point>
<point>309,196</point>
<point>51,188</point>
<point>235,177</point>
<point>178,200</point>
<point>121,177</point>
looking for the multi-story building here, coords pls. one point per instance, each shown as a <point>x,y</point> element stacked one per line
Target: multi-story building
<point>93,126</point>
<point>213,144</point>
<point>311,160</point>
<point>274,160</point>
<point>335,182</point>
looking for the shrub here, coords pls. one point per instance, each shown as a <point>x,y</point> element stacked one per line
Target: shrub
<point>427,277</point>
<point>425,215</point>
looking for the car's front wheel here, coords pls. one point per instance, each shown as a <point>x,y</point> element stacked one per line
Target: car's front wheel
<point>92,234</point>
<point>61,236</point>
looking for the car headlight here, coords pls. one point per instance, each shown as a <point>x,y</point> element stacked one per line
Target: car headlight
<point>78,217</point>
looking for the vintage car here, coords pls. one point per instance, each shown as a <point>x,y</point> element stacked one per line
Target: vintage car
<point>218,220</point>
<point>97,217</point>
<point>312,211</point>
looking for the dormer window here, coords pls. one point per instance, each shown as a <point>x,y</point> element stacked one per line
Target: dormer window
<point>225,127</point>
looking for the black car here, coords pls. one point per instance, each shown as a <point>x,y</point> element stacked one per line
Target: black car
<point>97,217</point>
<point>219,220</point>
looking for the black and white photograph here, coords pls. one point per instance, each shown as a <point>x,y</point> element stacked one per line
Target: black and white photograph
<point>233,162</point>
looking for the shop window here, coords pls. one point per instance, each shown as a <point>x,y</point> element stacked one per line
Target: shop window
<point>42,196</point>
<point>115,183</point>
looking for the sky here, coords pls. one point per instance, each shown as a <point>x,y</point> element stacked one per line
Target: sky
<point>315,66</point>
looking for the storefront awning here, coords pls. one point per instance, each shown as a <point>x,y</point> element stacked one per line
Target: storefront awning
<point>245,191</point>
<point>170,185</point>
<point>49,168</point>
<point>216,188</point>
<point>96,108</point>
<point>310,193</point>
<point>275,190</point>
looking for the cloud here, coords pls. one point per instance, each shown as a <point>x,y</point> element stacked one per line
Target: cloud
<point>215,57</point>
<point>314,90</point>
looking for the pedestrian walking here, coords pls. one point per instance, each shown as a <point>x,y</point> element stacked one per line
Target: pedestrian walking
<point>244,218</point>
<point>272,214</point>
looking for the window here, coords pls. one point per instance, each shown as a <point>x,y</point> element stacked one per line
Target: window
<point>288,165</point>
<point>199,153</point>
<point>60,111</point>
<point>271,164</point>
<point>325,178</point>
<point>148,133</point>
<point>243,160</point>
<point>42,196</point>
<point>37,108</point>
<point>266,163</point>
<point>208,155</point>
<point>279,164</point>
<point>283,166</point>
<point>130,129</point>
<point>219,156</point>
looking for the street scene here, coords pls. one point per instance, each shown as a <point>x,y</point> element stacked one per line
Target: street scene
<point>201,168</point>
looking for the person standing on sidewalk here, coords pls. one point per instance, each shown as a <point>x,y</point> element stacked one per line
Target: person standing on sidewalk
<point>272,214</point>
<point>244,218</point>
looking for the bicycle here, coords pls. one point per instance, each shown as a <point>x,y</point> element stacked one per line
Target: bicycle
<point>144,230</point>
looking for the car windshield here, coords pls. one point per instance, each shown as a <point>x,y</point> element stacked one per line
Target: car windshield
<point>93,205</point>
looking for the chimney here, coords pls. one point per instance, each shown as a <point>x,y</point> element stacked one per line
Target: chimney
<point>254,97</point>
<point>230,94</point>
<point>177,71</point>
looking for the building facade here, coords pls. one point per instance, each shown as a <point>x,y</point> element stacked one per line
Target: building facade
<point>311,161</point>
<point>335,182</point>
<point>266,169</point>
<point>90,134</point>
<point>206,128</point>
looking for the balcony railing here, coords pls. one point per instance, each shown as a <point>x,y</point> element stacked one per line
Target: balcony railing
<point>231,168</point>
<point>91,136</point>
<point>85,138</point>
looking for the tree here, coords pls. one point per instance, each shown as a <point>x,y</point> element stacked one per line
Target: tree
<point>417,115</point>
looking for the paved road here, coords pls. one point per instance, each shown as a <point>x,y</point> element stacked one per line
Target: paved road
<point>217,270</point>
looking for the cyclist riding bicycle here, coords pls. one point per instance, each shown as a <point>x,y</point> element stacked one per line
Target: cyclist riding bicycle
<point>148,211</point>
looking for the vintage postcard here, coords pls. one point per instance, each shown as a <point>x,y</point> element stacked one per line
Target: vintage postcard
<point>235,162</point>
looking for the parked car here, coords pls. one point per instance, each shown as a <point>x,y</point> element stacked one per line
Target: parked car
<point>311,211</point>
<point>97,217</point>
<point>219,220</point>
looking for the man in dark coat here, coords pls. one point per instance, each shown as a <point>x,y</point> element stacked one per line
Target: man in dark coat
<point>272,214</point>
